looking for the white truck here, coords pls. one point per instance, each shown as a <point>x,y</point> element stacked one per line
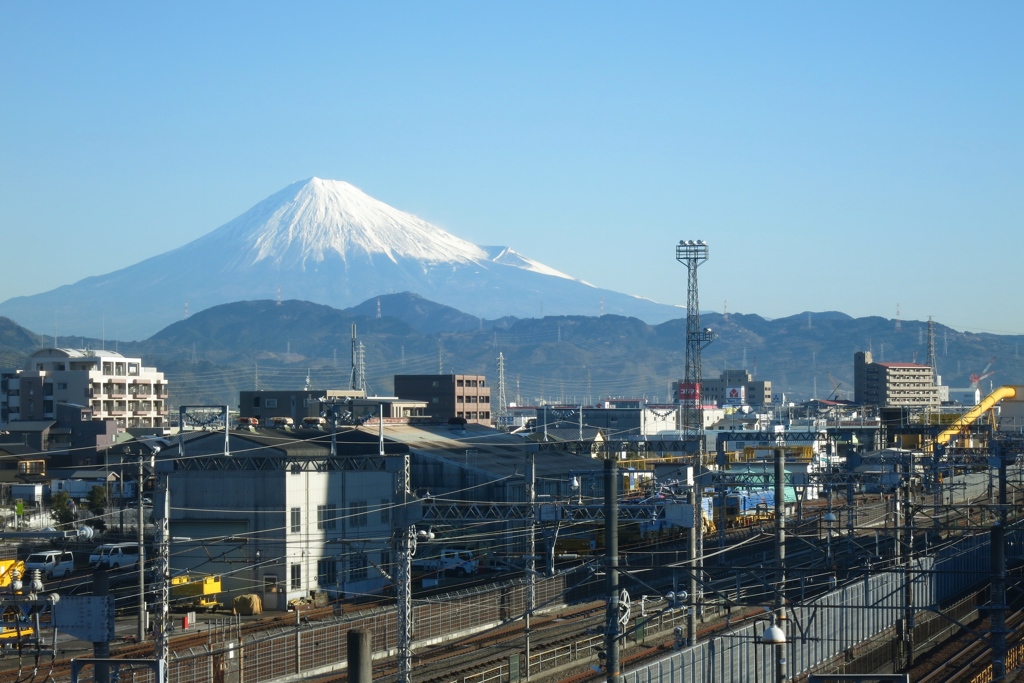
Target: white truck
<point>457,561</point>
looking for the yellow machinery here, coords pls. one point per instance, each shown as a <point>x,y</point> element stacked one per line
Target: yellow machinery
<point>12,626</point>
<point>974,413</point>
<point>199,594</point>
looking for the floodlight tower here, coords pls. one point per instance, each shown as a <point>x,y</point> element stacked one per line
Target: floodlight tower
<point>692,253</point>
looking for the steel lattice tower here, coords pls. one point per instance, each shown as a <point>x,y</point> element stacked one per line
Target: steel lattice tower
<point>692,253</point>
<point>502,403</point>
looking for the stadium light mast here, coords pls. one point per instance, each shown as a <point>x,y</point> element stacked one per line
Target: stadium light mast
<point>692,253</point>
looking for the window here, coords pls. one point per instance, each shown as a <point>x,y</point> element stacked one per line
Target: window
<point>326,517</point>
<point>48,389</point>
<point>459,383</point>
<point>385,511</point>
<point>357,568</point>
<point>482,383</point>
<point>296,520</point>
<point>326,572</point>
<point>255,401</point>
<point>359,517</point>
<point>296,577</point>
<point>270,403</point>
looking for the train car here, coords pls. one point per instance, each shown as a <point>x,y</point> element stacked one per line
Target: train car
<point>194,593</point>
<point>743,507</point>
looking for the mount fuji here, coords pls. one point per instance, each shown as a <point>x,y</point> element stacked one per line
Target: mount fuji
<point>327,242</point>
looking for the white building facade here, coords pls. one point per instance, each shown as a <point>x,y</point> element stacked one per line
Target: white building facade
<point>115,387</point>
<point>283,518</point>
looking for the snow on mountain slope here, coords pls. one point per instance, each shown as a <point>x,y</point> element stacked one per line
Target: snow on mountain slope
<point>327,242</point>
<point>510,257</point>
<point>311,219</point>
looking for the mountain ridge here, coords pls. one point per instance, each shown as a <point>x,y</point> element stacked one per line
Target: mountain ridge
<point>215,353</point>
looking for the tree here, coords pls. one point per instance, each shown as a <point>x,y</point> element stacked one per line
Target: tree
<point>97,504</point>
<point>97,500</point>
<point>61,506</point>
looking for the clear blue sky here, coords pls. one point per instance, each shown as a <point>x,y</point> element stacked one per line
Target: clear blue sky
<point>836,156</point>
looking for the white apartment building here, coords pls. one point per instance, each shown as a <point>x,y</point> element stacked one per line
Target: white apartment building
<point>115,387</point>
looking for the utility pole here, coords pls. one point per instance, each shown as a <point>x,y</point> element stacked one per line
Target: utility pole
<point>161,568</point>
<point>780,561</point>
<point>531,567</point>
<point>693,550</point>
<point>998,543</point>
<point>141,538</point>
<point>405,539</point>
<point>611,550</point>
<point>907,550</point>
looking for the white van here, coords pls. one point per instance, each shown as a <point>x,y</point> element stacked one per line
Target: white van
<point>115,555</point>
<point>52,563</point>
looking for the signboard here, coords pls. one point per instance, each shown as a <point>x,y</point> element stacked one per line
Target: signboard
<point>689,392</point>
<point>735,396</point>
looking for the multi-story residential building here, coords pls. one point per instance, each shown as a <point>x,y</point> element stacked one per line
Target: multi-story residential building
<point>112,386</point>
<point>893,384</point>
<point>449,396</point>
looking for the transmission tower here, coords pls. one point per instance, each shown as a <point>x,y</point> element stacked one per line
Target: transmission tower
<point>931,351</point>
<point>357,380</point>
<point>502,403</point>
<point>692,253</point>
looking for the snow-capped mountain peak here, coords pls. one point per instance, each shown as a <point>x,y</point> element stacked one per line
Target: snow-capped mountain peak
<point>327,242</point>
<point>313,219</point>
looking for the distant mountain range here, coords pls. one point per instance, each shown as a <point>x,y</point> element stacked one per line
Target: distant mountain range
<point>327,242</point>
<point>215,353</point>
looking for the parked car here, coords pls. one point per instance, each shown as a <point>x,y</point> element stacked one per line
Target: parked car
<point>52,563</point>
<point>115,555</point>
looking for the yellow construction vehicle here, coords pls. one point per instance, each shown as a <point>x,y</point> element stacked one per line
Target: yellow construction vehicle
<point>12,622</point>
<point>195,593</point>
